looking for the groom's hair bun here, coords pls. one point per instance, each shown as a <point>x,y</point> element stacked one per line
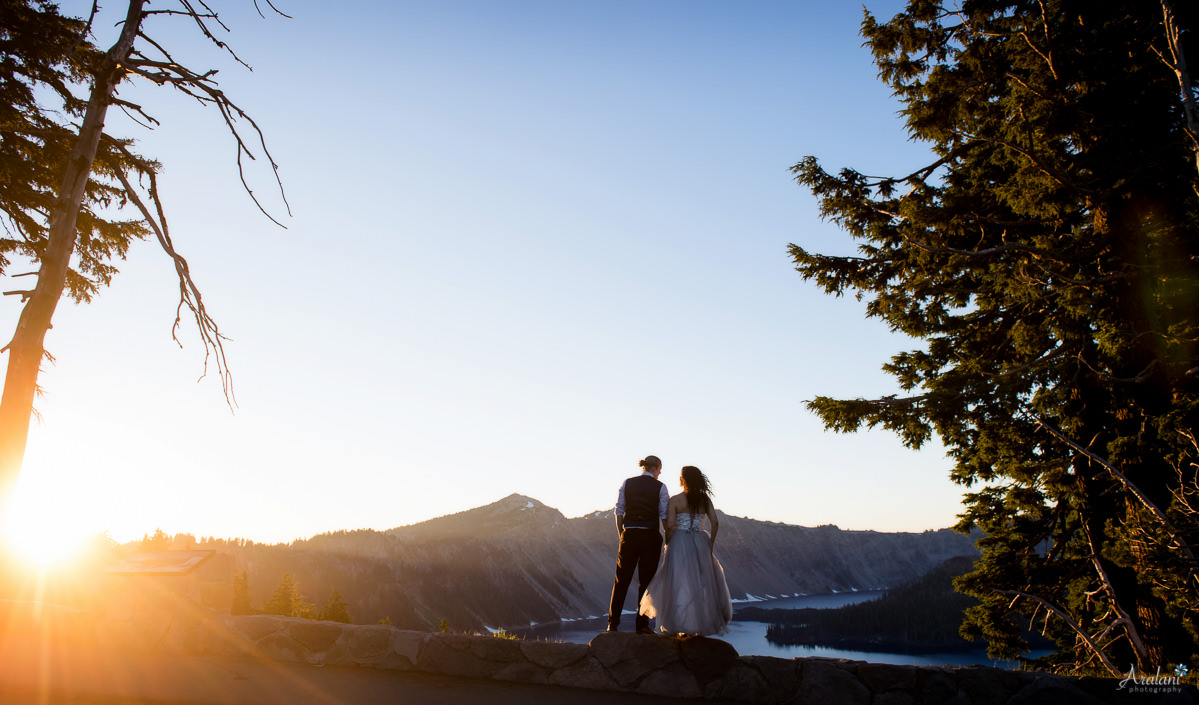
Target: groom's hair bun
<point>650,460</point>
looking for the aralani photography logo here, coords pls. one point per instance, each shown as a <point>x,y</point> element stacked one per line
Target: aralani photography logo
<point>1157,683</point>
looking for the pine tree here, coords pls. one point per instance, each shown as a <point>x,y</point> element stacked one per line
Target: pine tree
<point>160,541</point>
<point>73,197</point>
<point>241,594</point>
<point>1048,259</point>
<point>336,609</point>
<point>285,599</point>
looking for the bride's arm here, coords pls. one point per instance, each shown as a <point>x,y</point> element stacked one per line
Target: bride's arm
<point>672,519</point>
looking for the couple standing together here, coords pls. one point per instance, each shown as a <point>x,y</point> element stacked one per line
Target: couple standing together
<point>683,586</point>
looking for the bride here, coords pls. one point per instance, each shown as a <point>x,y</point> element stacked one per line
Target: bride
<point>688,594</point>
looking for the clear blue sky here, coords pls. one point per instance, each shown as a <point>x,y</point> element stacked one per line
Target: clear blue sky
<point>530,243</point>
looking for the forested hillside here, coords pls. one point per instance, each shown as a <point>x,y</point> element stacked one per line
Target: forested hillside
<point>923,615</point>
<point>518,561</point>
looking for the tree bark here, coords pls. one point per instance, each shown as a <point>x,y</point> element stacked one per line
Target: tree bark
<point>27,348</point>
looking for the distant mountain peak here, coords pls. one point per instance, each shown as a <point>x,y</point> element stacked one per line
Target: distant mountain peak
<point>518,501</point>
<point>515,510</point>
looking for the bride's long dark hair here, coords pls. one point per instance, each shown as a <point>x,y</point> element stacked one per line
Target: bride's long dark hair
<point>697,488</point>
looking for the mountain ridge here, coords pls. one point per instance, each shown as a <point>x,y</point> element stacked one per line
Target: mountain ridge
<point>518,560</point>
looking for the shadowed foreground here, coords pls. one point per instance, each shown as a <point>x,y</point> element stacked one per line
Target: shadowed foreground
<point>167,650</point>
<point>80,674</point>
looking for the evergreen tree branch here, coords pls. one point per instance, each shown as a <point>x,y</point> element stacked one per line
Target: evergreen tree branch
<point>1027,154</point>
<point>1070,622</point>
<point>1124,620</point>
<point>1179,542</point>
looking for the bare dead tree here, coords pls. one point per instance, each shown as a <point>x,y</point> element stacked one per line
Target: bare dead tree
<point>133,54</point>
<point>1177,62</point>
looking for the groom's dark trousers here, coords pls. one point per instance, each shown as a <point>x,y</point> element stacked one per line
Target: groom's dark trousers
<point>639,551</point>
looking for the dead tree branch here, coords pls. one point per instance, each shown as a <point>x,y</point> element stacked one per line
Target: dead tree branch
<point>1082,633</point>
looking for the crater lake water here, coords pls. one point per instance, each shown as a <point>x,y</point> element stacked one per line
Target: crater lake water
<point>749,638</point>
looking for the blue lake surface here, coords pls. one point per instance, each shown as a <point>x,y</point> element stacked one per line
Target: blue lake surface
<point>749,638</point>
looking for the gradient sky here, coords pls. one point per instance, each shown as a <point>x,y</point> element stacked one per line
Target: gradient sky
<point>530,243</point>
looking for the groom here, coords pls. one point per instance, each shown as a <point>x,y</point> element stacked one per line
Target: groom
<point>640,510</point>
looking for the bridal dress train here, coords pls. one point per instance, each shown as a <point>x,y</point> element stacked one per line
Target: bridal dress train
<point>688,594</point>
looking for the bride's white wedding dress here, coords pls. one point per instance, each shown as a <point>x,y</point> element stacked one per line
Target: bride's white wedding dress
<point>688,594</point>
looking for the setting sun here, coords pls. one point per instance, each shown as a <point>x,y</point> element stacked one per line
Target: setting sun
<point>36,530</point>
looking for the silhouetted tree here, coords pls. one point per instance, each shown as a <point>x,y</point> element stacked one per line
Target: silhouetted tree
<point>241,594</point>
<point>66,185</point>
<point>160,541</point>
<point>336,609</point>
<point>285,599</point>
<point>1048,258</point>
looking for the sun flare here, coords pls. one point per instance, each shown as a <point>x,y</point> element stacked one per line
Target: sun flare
<point>37,532</point>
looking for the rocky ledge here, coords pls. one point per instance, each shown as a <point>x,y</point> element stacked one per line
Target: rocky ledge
<point>692,667</point>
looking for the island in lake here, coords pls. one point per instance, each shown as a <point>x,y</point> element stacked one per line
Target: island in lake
<point>922,616</point>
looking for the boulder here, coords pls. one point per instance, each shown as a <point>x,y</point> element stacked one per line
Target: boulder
<point>706,658</point>
<point>831,681</point>
<point>552,655</point>
<point>315,636</point>
<point>628,658</point>
<point>588,673</point>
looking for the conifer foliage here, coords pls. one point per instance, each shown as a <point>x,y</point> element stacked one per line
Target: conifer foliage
<point>73,197</point>
<point>1047,259</point>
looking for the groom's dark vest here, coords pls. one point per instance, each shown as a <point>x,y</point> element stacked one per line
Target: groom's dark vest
<point>641,496</point>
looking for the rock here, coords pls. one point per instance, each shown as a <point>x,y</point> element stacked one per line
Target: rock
<point>588,673</point>
<point>831,681</point>
<point>257,626</point>
<point>315,636</point>
<point>894,697</point>
<point>987,686</point>
<point>935,686</point>
<point>1049,690</point>
<point>495,649</point>
<point>707,658</point>
<point>674,681</point>
<point>882,677</point>
<point>630,657</point>
<point>552,655</point>
<point>369,642</point>
<point>523,672</point>
<point>782,676</point>
<point>408,645</point>
<point>741,682</point>
<point>281,647</point>
<point>455,655</point>
<point>217,636</point>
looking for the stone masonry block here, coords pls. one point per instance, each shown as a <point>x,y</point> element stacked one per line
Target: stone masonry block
<point>257,626</point>
<point>782,675</point>
<point>827,681</point>
<point>673,681</point>
<point>588,673</point>
<point>368,642</point>
<point>408,644</point>
<point>744,683</point>
<point>552,655</point>
<point>630,657</point>
<point>495,649</point>
<point>523,672</point>
<point>882,677</point>
<point>707,658</point>
<point>315,636</point>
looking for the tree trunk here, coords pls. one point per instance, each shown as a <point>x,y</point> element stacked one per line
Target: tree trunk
<point>27,348</point>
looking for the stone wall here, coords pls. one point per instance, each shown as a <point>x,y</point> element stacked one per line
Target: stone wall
<point>693,667</point>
